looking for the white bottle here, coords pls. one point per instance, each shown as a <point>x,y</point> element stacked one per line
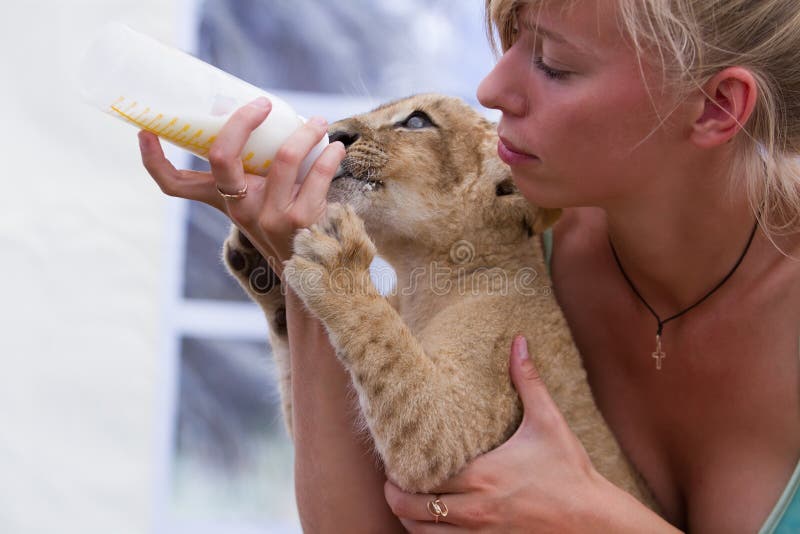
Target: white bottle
<point>180,98</point>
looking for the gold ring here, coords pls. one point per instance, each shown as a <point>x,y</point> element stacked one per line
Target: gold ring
<point>437,509</point>
<point>241,193</point>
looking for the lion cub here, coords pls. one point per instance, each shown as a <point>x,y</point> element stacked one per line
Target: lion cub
<point>422,184</point>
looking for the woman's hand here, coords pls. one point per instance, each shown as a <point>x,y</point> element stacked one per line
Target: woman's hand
<point>274,206</point>
<point>540,480</point>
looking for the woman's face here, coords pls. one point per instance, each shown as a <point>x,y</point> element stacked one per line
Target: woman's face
<point>579,126</point>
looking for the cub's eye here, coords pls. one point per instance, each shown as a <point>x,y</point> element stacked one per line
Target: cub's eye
<point>417,120</point>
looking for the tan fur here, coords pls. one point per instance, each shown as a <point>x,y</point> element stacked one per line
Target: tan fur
<point>430,365</point>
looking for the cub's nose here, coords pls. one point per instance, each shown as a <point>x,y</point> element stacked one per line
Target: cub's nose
<point>347,138</point>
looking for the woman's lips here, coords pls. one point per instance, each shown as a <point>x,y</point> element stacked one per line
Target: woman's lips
<point>509,154</point>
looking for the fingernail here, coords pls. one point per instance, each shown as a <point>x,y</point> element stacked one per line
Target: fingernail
<point>142,144</point>
<point>319,121</point>
<point>521,347</point>
<point>262,102</point>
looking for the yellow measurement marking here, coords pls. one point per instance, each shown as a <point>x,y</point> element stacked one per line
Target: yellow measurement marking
<point>266,163</point>
<point>211,139</point>
<point>248,157</point>
<point>143,113</point>
<point>182,138</point>
<point>168,135</point>
<point>168,128</point>
<point>156,119</point>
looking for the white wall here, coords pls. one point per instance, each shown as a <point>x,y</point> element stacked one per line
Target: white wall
<point>81,249</point>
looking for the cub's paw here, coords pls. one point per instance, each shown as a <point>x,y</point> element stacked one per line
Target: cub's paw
<point>338,241</point>
<point>249,267</point>
<point>331,259</point>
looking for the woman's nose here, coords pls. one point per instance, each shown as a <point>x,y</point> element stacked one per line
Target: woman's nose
<point>503,88</point>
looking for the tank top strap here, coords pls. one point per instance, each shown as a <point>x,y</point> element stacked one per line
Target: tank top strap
<point>785,516</point>
<point>547,244</point>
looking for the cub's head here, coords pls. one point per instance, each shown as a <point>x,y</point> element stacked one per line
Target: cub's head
<point>424,170</point>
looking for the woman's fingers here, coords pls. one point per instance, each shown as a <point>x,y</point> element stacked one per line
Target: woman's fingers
<point>225,152</point>
<point>311,198</point>
<point>429,527</point>
<point>461,510</point>
<point>273,206</point>
<point>283,172</point>
<point>193,185</point>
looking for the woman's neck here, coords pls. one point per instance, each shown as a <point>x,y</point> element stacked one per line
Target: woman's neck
<point>678,244</point>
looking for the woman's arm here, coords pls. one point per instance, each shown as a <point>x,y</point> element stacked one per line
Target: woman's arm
<point>339,487</point>
<point>338,482</point>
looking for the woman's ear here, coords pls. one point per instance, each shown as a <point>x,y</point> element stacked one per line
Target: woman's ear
<point>728,100</point>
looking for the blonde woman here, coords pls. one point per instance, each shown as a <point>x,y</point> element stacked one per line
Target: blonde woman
<point>669,129</point>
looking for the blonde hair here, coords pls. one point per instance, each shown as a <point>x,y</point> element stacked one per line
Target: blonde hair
<point>695,39</point>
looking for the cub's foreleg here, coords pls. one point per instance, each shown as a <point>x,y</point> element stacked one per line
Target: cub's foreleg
<point>261,283</point>
<point>426,422</point>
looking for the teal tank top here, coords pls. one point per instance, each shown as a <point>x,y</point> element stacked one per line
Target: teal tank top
<point>785,516</point>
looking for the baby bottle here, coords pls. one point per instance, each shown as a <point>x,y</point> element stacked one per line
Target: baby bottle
<point>180,98</point>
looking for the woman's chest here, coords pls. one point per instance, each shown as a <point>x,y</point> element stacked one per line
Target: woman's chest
<point>716,431</point>
<point>717,444</point>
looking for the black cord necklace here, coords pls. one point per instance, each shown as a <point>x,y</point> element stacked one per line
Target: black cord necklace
<point>659,355</point>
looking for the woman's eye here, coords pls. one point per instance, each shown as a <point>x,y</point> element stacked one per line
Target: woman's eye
<point>550,72</point>
<point>417,120</point>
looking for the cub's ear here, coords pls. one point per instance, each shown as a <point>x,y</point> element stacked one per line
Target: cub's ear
<point>534,220</point>
<point>540,219</point>
<point>537,220</point>
<point>505,187</point>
